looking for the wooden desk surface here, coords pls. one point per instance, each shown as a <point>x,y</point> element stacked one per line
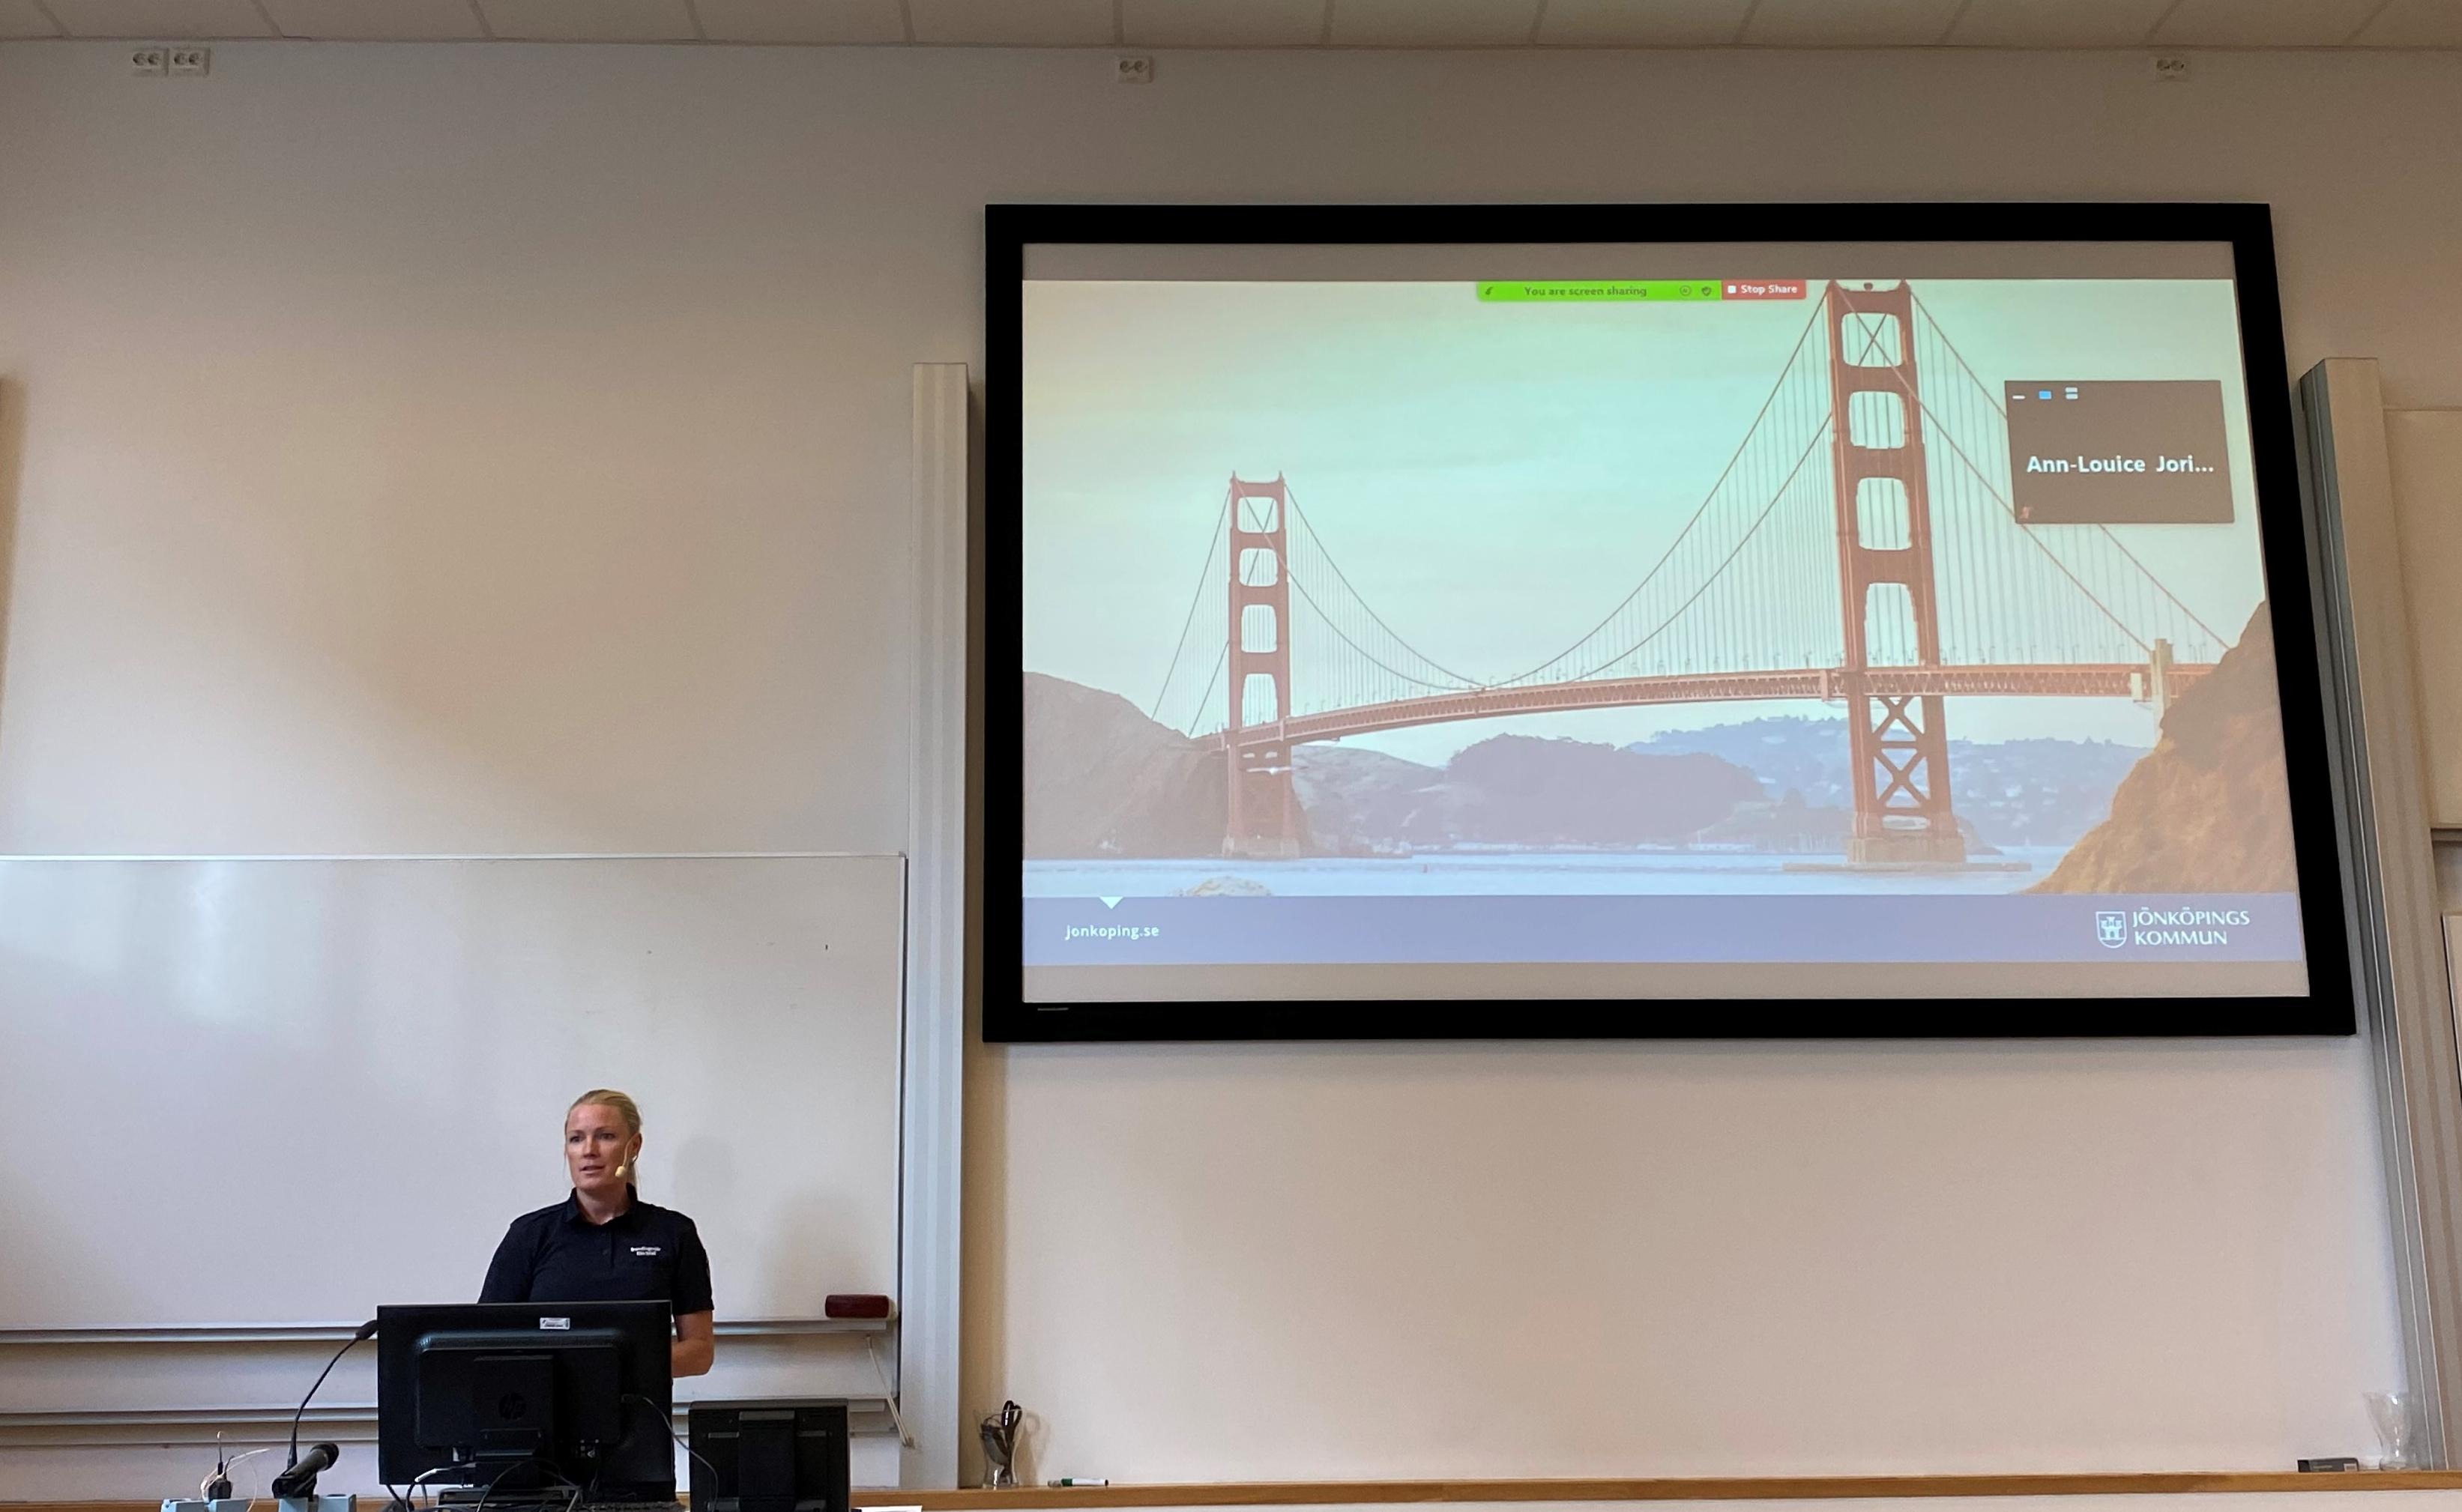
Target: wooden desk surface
<point>1336,1493</point>
<point>1757,1488</point>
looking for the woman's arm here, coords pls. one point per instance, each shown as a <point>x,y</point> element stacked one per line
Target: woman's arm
<point>696,1344</point>
<point>695,1336</point>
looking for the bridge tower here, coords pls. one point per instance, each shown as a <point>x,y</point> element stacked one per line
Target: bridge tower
<point>1898,744</point>
<point>1265,811</point>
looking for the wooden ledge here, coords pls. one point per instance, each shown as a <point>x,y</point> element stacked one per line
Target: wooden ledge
<point>1755,1488</point>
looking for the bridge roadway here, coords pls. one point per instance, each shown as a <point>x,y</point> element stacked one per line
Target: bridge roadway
<point>2105,679</point>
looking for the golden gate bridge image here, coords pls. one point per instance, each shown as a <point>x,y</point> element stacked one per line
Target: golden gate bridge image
<point>1860,549</point>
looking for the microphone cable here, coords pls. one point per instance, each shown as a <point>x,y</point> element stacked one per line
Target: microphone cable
<point>221,1478</point>
<point>366,1331</point>
<point>669,1430</point>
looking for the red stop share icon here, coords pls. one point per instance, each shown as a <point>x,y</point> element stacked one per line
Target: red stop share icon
<point>1764,288</point>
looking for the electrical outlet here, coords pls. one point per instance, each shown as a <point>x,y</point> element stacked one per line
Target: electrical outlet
<point>154,60</point>
<point>2170,69</point>
<point>190,62</point>
<point>1136,71</point>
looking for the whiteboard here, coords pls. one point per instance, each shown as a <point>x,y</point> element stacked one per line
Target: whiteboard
<point>284,1091</point>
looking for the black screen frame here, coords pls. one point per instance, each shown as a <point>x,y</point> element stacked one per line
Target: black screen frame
<point>995,817</point>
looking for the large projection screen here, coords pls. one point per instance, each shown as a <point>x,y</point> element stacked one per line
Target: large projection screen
<point>1648,621</point>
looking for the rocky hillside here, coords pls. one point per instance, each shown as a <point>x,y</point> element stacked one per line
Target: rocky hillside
<point>2205,811</point>
<point>1102,778</point>
<point>1519,790</point>
<point>1360,799</point>
<point>2035,791</point>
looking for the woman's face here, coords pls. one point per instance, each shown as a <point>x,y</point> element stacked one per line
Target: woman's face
<point>598,1151</point>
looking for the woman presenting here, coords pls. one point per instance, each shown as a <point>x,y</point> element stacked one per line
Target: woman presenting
<point>603,1243</point>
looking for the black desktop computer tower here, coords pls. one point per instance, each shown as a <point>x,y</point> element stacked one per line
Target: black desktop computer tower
<point>785,1456</point>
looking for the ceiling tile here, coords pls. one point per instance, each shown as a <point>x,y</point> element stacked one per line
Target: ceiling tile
<point>1013,23</point>
<point>1848,23</point>
<point>1433,22</point>
<point>589,20</point>
<point>2415,23</point>
<point>23,18</point>
<point>2057,23</point>
<point>376,20</point>
<point>856,21</point>
<point>160,20</point>
<point>2263,23</point>
<point>1642,23</point>
<point>1222,23</point>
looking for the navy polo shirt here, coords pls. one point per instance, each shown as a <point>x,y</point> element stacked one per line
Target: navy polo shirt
<point>647,1253</point>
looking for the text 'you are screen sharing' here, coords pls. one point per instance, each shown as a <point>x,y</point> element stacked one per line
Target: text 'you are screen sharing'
<point>2119,453</point>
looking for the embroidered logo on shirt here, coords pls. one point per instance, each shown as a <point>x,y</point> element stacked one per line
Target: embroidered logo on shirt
<point>645,1249</point>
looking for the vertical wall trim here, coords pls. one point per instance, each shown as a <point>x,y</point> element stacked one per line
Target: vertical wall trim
<point>2399,944</point>
<point>929,1179</point>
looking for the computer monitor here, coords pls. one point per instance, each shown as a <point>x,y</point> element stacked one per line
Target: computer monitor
<point>515,1398</point>
<point>769,1457</point>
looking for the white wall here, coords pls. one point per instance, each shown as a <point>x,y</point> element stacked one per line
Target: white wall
<point>502,448</point>
<point>1653,1260</point>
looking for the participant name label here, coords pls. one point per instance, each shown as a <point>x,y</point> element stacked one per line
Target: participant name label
<point>2118,453</point>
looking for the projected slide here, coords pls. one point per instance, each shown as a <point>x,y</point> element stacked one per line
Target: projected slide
<point>1788,629</point>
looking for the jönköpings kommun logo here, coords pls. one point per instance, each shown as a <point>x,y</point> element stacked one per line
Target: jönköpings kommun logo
<point>2114,928</point>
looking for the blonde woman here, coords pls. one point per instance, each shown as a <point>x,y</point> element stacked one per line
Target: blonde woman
<point>603,1243</point>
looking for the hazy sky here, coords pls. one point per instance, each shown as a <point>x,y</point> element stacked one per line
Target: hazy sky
<point>1494,478</point>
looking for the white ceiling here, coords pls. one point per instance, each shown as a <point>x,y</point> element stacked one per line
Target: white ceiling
<point>1277,23</point>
